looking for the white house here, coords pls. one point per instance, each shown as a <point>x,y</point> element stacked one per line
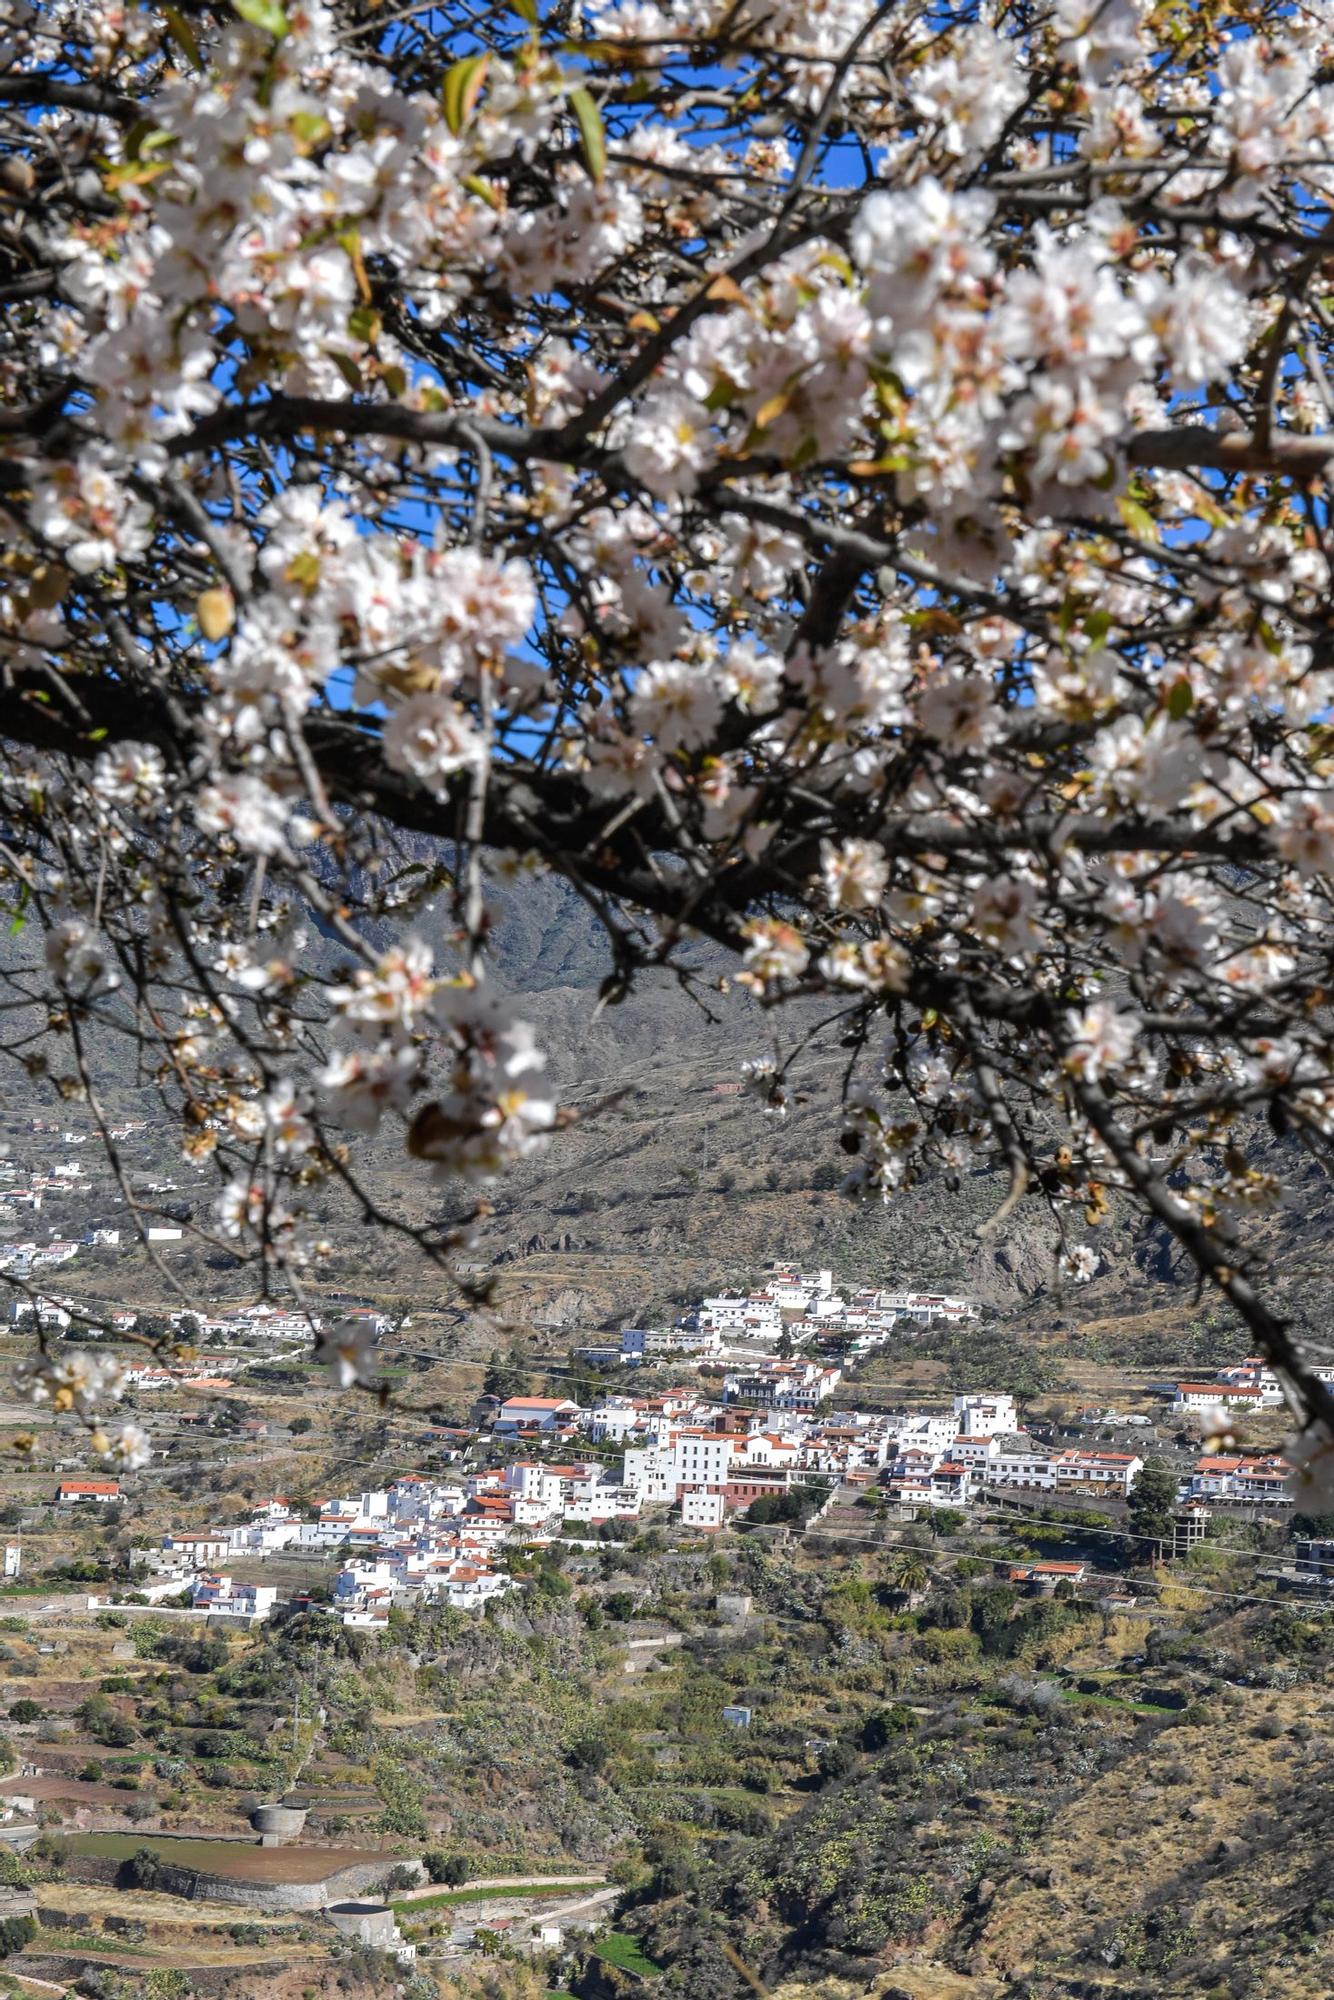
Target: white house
<point>1240,1477</point>
<point>1021,1462</point>
<point>1193,1397</point>
<point>219,1596</point>
<point>671,1340</point>
<point>202,1549</point>
<point>650,1471</point>
<point>598,1499</point>
<point>783,1385</point>
<point>49,1312</point>
<point>522,1415</point>
<point>702,1508</point>
<point>87,1492</point>
<point>1099,1472</point>
<point>985,1416</point>
<point>704,1458</point>
<point>614,1419</point>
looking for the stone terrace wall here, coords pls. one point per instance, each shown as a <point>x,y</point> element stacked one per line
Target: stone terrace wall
<point>62,1968</point>
<point>194,1885</point>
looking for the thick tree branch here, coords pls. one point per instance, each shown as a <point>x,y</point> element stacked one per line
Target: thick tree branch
<point>1209,1255</point>
<point>1193,447</point>
<point>51,90</point>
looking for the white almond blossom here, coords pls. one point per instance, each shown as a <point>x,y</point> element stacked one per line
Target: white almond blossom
<point>877,562</point>
<point>127,1448</point>
<point>347,1350</point>
<point>1100,1039</point>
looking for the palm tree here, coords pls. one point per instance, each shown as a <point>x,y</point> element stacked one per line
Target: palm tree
<point>908,1573</point>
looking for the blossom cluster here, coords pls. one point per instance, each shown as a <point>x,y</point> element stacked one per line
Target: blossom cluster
<point>85,1383</point>
<point>868,515</point>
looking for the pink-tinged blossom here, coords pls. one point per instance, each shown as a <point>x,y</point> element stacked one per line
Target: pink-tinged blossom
<point>1310,1454</point>
<point>359,1084</point>
<point>89,515</point>
<point>776,950</point>
<point>1100,1040</point>
<point>398,993</point>
<point>918,244</point>
<point>1080,1264</point>
<point>854,874</point>
<point>129,774</point>
<point>248,810</point>
<point>347,1350</point>
<point>1005,913</point>
<point>970,91</point>
<point>1097,37</point>
<point>670,444</point>
<point>676,703</point>
<point>76,956</point>
<point>127,1448</point>
<point>959,711</point>
<point>81,1381</point>
<point>431,738</point>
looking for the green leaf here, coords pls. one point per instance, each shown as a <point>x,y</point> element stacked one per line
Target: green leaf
<point>19,918</point>
<point>266,14</point>
<point>1180,699</point>
<point>183,35</point>
<point>1096,627</point>
<point>142,129</point>
<point>527,10</point>
<point>462,88</point>
<point>591,135</point>
<point>346,367</point>
<point>1137,518</point>
<point>350,241</point>
<point>311,129</point>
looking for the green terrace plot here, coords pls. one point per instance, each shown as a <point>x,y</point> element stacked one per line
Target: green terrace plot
<point>513,1892</point>
<point>618,1948</point>
<point>1121,1701</point>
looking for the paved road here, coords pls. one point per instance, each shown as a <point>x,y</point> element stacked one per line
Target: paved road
<point>523,1930</point>
<point>562,1912</point>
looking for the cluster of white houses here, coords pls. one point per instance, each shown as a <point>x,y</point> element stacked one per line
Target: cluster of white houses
<point>1247,1385</point>
<point>249,1323</point>
<point>1238,1477</point>
<point>269,1322</point>
<point>444,1541</point>
<point>416,1539</point>
<point>774,1429</point>
<point>799,1308</point>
